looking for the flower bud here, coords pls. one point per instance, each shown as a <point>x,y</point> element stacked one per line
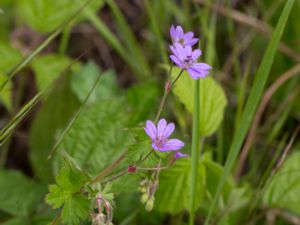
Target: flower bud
<point>144,198</point>
<point>149,204</point>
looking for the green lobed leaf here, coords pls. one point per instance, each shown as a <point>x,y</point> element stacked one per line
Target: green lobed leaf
<point>98,137</point>
<point>75,210</point>
<point>284,188</point>
<point>67,193</point>
<point>18,194</point>
<point>46,15</point>
<point>48,68</point>
<point>212,100</point>
<point>172,195</point>
<point>83,80</point>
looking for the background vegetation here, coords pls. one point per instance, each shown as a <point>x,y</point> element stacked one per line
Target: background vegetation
<point>78,78</point>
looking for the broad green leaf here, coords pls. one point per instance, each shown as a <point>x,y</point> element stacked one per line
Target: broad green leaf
<point>98,137</point>
<point>254,97</point>
<point>67,193</point>
<point>83,81</point>
<point>212,100</point>
<point>18,194</point>
<point>174,184</point>
<point>284,188</point>
<point>48,68</point>
<point>46,15</point>
<point>75,210</point>
<point>53,116</point>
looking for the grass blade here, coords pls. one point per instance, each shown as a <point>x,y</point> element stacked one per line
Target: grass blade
<point>129,38</point>
<point>253,100</point>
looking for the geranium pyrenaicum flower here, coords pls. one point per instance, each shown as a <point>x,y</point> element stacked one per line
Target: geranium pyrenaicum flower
<point>186,59</point>
<point>178,155</point>
<point>178,36</point>
<point>160,136</point>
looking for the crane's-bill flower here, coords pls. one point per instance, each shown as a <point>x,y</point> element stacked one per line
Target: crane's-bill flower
<point>186,59</point>
<point>178,36</point>
<point>160,136</point>
<point>178,155</point>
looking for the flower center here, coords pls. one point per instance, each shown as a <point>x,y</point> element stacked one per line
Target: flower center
<point>159,142</point>
<point>188,61</point>
<point>181,41</point>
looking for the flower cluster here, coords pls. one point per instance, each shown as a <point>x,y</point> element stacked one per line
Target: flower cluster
<point>184,56</point>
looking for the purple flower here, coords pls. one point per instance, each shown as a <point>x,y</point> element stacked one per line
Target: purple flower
<point>160,136</point>
<point>178,36</point>
<point>186,58</point>
<point>178,155</point>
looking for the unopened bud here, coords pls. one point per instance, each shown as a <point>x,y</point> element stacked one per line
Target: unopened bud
<point>168,86</point>
<point>144,198</point>
<point>131,169</point>
<point>149,204</point>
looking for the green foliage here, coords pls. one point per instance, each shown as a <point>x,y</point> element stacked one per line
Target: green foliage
<point>174,185</point>
<point>16,221</point>
<point>284,188</point>
<point>97,136</point>
<point>212,100</point>
<point>53,116</point>
<point>83,81</point>
<point>214,172</point>
<point>19,195</point>
<point>140,147</point>
<point>5,94</point>
<point>67,192</point>
<point>142,97</point>
<point>46,15</point>
<point>254,97</point>
<point>9,58</point>
<point>48,68</point>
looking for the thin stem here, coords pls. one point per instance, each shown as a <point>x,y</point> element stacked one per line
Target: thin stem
<point>109,168</point>
<point>195,151</point>
<point>153,169</point>
<point>167,91</point>
<point>122,173</point>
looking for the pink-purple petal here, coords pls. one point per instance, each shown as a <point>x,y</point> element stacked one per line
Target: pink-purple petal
<point>179,31</point>
<point>176,61</point>
<point>172,145</point>
<point>195,54</point>
<point>188,35</point>
<point>161,126</point>
<point>150,129</point>
<point>178,155</point>
<point>169,130</point>
<point>192,41</point>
